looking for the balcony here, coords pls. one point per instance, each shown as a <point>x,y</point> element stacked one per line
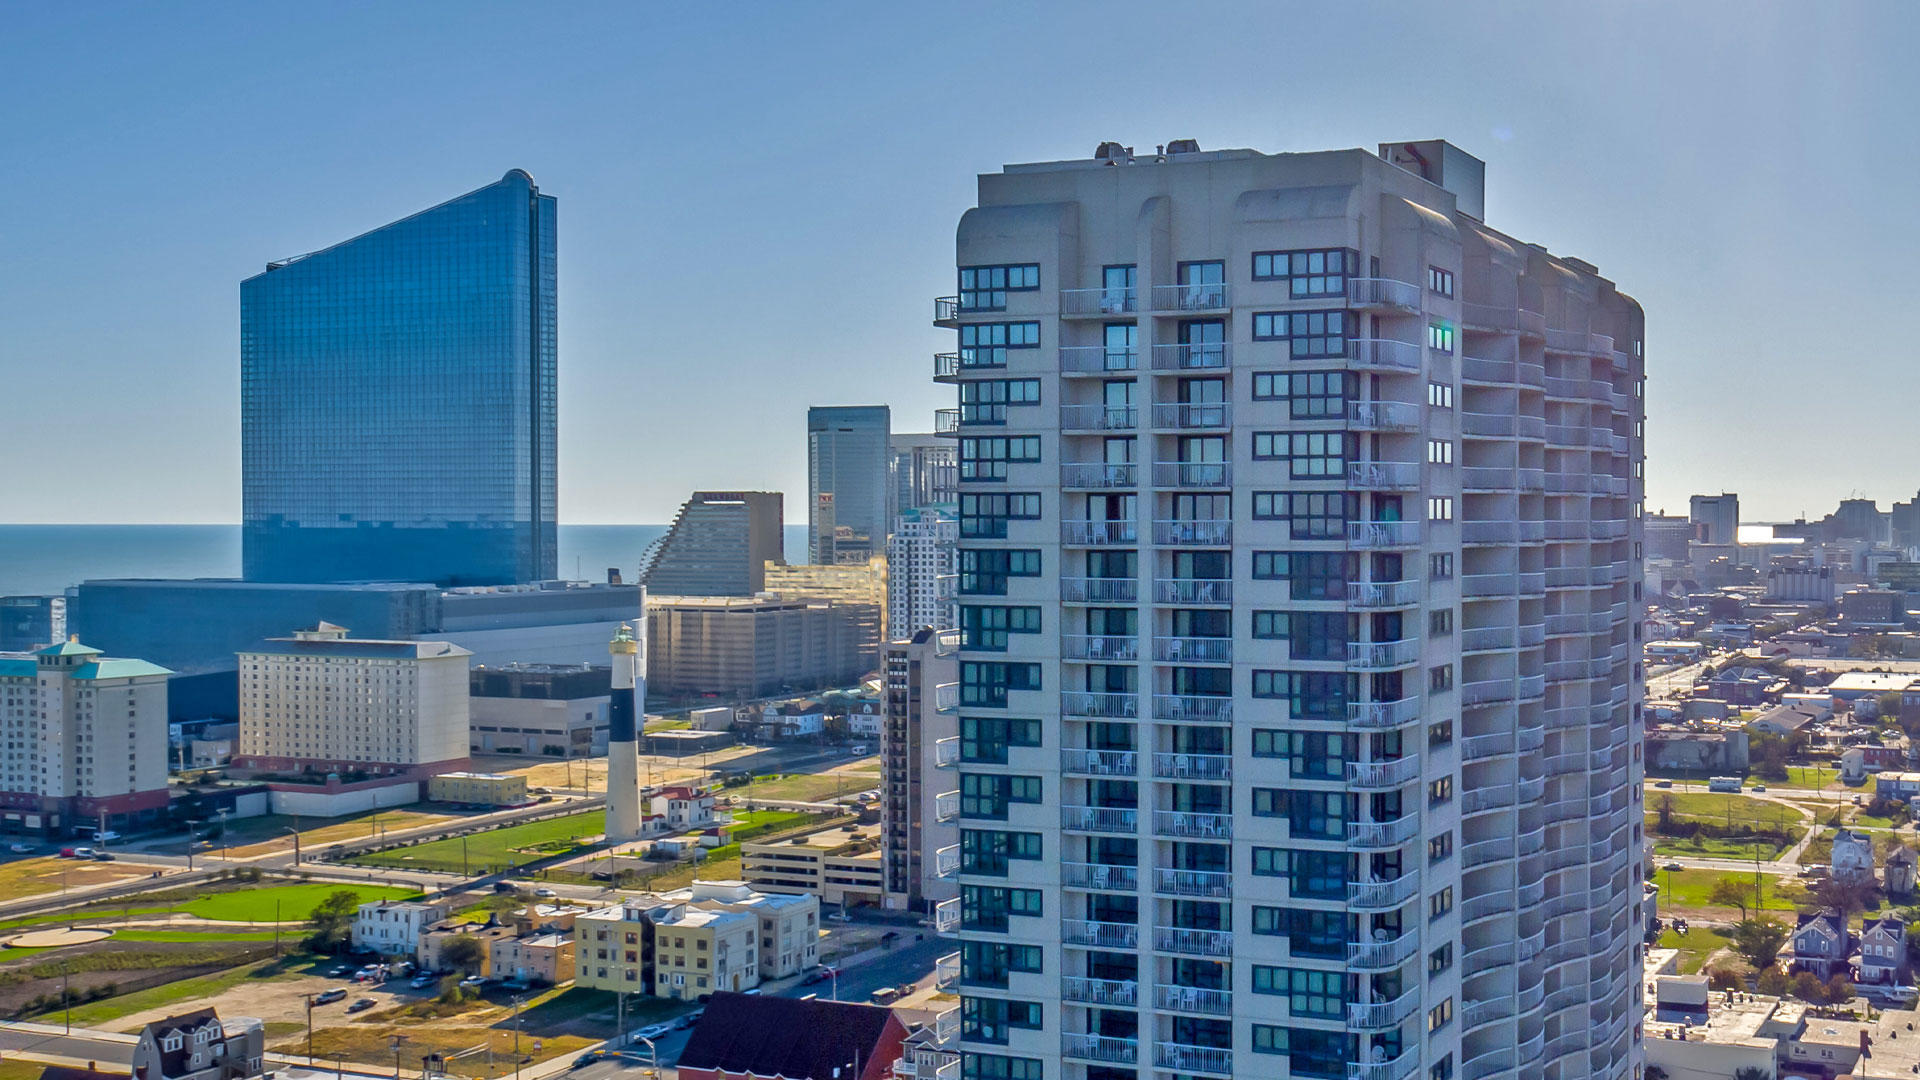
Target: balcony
<point>1099,590</point>
<point>1492,425</point>
<point>1193,708</point>
<point>1193,592</point>
<point>1489,584</point>
<point>1382,1015</point>
<point>1099,475</point>
<point>1099,647</point>
<point>1486,691</point>
<point>1124,994</point>
<point>1192,533</point>
<point>1098,303</point>
<point>946,861</point>
<point>1193,999</point>
<point>1188,825</point>
<point>1383,895</point>
<point>1382,294</point>
<point>1201,356</point>
<point>1098,533</point>
<point>1383,475</point>
<point>1383,714</point>
<point>1382,535</point>
<point>1195,416</point>
<point>1383,354</point>
<point>1382,955</point>
<point>1100,935</point>
<point>1099,706</point>
<point>1187,298</point>
<point>1382,655</point>
<point>1193,942</point>
<point>1382,775</point>
<point>946,970</point>
<point>1099,762</point>
<point>946,642</point>
<point>946,697</point>
<point>927,1065</point>
<point>946,806</point>
<point>1193,766</point>
<point>1099,417</point>
<point>1382,595</point>
<point>1399,1068</point>
<point>1098,359</point>
<point>946,752</point>
<point>1099,877</point>
<point>1115,820</point>
<point>1493,1063</point>
<point>1486,959</point>
<point>1481,747</point>
<point>1383,416</point>
<point>1099,1048</point>
<point>1375,835</point>
<point>1193,650</point>
<point>946,367</point>
<point>947,421</point>
<point>1210,884</point>
<point>1484,478</point>
<point>1192,474</point>
<point>946,916</point>
<point>946,311</point>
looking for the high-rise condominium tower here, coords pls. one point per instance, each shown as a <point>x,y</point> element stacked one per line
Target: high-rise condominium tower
<point>1298,696</point>
<point>1716,518</point>
<point>719,545</point>
<point>848,485</point>
<point>397,400</point>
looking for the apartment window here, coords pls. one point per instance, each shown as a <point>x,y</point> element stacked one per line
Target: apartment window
<point>1317,814</point>
<point>989,1020</point>
<point>1318,994</point>
<point>984,739</point>
<point>1311,875</point>
<point>1440,677</point>
<point>987,851</point>
<point>1315,695</point>
<point>997,1067</point>
<point>985,517</point>
<point>985,401</point>
<point>1310,635</point>
<point>985,683</point>
<point>1203,285</point>
<point>1439,282</point>
<point>1440,903</point>
<point>1440,848</point>
<point>988,344</point>
<point>1439,508</point>
<point>1442,1069</point>
<point>1309,1052</point>
<point>1311,515</point>
<point>1440,791</point>
<point>987,457</point>
<point>984,571</point>
<point>1440,959</point>
<point>1311,755</point>
<point>1440,1015</point>
<point>986,628</point>
<point>1310,335</point>
<point>988,963</point>
<point>987,907</point>
<point>1439,734</point>
<point>985,288</point>
<point>987,796</point>
<point>1310,575</point>
<point>1309,273</point>
<point>1310,395</point>
<point>1309,933</point>
<point>1440,395</point>
<point>1440,337</point>
<point>1440,622</point>
<point>1310,455</point>
<point>1440,565</point>
<point>1439,451</point>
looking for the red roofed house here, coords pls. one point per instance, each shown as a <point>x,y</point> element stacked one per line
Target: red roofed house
<point>753,1037</point>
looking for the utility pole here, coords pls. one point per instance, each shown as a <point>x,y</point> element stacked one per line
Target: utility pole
<point>66,994</point>
<point>191,822</point>
<point>309,1026</point>
<point>394,1044</point>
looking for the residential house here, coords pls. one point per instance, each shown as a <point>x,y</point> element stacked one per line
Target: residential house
<point>792,721</point>
<point>1680,750</point>
<point>434,940</point>
<point>1821,944</point>
<point>683,808</point>
<point>197,1046</point>
<point>1852,858</point>
<point>1747,686</point>
<point>542,959</point>
<point>1883,951</point>
<point>1856,762</point>
<point>392,928</point>
<point>1900,871</point>
<point>1791,722</point>
<point>742,1036</point>
<point>1897,785</point>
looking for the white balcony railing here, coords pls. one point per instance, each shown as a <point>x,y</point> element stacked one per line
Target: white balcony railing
<point>946,860</point>
<point>1373,595</point>
<point>946,697</point>
<point>946,806</point>
<point>1207,297</point>
<point>1193,766</point>
<point>1383,416</point>
<point>1099,877</point>
<point>1383,714</point>
<point>1373,535</point>
<point>1378,1016</point>
<point>1382,834</point>
<point>946,916</point>
<point>1081,590</point>
<point>1100,935</point>
<point>1193,533</point>
<point>1193,708</point>
<point>1196,592</point>
<point>1383,475</point>
<point>1099,647</point>
<point>1187,824</point>
<point>1193,999</point>
<point>1099,762</point>
<point>1099,417</point>
<point>1097,359</point>
<point>1383,775</point>
<point>1100,819</point>
<point>1101,706</point>
<point>1193,650</point>
<point>1378,292</point>
<point>1192,356</point>
<point>1399,1068</point>
<point>1384,354</point>
<point>1116,992</point>
<point>1213,884</point>
<point>1099,1048</point>
<point>1190,941</point>
<point>946,970</point>
<point>1200,415</point>
<point>1180,1057</point>
<point>1099,302</point>
<point>1192,474</point>
<point>1099,474</point>
<point>946,752</point>
<point>1383,895</point>
<point>1098,533</point>
<point>1382,655</point>
<point>1383,955</point>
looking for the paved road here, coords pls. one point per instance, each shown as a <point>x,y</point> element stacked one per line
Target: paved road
<point>82,1045</point>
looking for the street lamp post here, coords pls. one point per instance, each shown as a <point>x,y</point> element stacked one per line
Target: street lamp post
<point>191,822</point>
<point>394,1044</point>
<point>295,833</point>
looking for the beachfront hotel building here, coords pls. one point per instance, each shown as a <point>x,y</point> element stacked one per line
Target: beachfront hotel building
<point>1298,696</point>
<point>85,741</point>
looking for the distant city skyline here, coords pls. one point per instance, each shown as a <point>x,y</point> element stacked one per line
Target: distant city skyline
<point>770,241</point>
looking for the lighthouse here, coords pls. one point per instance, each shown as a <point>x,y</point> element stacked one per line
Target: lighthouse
<point>629,653</point>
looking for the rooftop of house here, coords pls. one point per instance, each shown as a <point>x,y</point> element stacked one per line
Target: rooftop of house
<point>1738,1020</point>
<point>776,1036</point>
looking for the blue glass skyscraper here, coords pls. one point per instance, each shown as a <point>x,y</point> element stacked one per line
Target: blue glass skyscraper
<point>397,400</point>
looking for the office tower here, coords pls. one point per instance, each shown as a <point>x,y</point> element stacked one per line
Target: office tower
<point>925,469</point>
<point>74,712</point>
<point>1298,706</point>
<point>718,545</point>
<point>1859,519</point>
<point>28,622</point>
<point>858,591</point>
<point>921,564</point>
<point>397,396</point>
<point>624,820</point>
<point>1904,524</point>
<point>848,498</point>
<point>322,702</point>
<point>1667,536</point>
<point>1716,519</point>
<point>919,747</point>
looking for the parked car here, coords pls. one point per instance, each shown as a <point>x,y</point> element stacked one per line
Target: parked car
<point>328,997</point>
<point>362,1005</point>
<point>502,887</point>
<point>104,856</point>
<point>422,982</point>
<point>474,981</point>
<point>817,975</point>
<point>545,894</point>
<point>68,853</point>
<point>22,849</point>
<point>1759,787</point>
<point>690,1019</point>
<point>340,972</point>
<point>1663,783</point>
<point>83,853</point>
<point>1673,866</point>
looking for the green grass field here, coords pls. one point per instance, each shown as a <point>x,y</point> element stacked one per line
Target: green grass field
<point>1713,848</point>
<point>495,849</point>
<point>241,903</point>
<point>1689,889</point>
<point>1695,946</point>
<point>1722,809</point>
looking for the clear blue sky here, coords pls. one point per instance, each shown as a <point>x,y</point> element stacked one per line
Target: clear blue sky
<point>758,200</point>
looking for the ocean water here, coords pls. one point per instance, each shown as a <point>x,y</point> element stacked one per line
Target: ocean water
<point>45,559</point>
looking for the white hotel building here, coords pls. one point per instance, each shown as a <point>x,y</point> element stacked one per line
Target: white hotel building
<point>1299,567</point>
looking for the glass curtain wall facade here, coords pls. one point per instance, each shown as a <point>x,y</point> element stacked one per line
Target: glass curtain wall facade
<point>848,482</point>
<point>398,400</point>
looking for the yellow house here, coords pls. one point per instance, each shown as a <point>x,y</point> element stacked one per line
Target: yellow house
<point>478,789</point>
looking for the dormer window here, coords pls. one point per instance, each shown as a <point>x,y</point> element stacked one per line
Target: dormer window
<point>172,1042</point>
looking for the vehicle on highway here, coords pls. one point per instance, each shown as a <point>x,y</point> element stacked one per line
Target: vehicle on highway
<point>651,1032</point>
<point>1673,866</point>
<point>502,886</point>
<point>22,849</point>
<point>1759,787</point>
<point>328,997</point>
<point>104,856</point>
<point>817,975</point>
<point>362,1005</point>
<point>545,894</point>
<point>1663,783</point>
<point>886,995</point>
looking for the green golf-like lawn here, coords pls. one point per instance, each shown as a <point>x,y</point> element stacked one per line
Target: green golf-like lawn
<point>495,849</point>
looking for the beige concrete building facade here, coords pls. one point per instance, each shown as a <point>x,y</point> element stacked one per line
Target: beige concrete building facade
<point>919,749</point>
<point>749,646</point>
<point>478,789</point>
<point>839,867</point>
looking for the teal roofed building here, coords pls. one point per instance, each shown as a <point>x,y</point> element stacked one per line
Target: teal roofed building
<point>86,741</point>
